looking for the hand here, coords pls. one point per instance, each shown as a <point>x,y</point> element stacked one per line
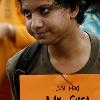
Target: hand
<point>8,30</point>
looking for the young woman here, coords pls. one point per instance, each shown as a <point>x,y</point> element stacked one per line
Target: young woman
<point>62,47</point>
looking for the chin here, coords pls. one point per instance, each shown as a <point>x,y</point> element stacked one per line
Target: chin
<point>45,42</point>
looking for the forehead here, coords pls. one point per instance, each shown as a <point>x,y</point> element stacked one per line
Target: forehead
<point>35,3</point>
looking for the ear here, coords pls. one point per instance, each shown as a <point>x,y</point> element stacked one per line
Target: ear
<point>73,13</point>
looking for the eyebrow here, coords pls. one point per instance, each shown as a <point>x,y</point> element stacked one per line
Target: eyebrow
<point>39,7</point>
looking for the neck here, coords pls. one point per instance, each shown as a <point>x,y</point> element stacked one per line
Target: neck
<point>70,47</point>
<point>66,54</point>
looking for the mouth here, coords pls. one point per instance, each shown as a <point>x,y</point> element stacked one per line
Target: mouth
<point>41,35</point>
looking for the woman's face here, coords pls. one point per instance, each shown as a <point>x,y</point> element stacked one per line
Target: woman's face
<point>48,23</point>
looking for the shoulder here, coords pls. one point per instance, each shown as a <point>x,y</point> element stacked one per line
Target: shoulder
<point>24,54</point>
<point>11,64</point>
<point>97,53</point>
<point>98,37</point>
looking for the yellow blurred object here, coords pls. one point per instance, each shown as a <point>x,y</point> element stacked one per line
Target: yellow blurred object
<point>10,13</point>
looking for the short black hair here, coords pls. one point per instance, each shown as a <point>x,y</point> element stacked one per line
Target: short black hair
<point>95,6</point>
<point>83,5</point>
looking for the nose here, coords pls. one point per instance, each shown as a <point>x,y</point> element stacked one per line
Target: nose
<point>36,23</point>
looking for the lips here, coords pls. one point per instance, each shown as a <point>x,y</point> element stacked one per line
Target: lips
<point>40,35</point>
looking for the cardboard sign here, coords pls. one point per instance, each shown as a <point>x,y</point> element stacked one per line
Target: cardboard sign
<point>60,87</point>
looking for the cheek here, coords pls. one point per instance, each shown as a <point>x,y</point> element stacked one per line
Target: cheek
<point>60,21</point>
<point>28,26</point>
<point>58,25</point>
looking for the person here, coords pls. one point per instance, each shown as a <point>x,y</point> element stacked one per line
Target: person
<point>13,37</point>
<point>92,21</point>
<point>62,47</point>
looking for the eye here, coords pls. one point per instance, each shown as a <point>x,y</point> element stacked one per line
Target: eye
<point>44,11</point>
<point>27,13</point>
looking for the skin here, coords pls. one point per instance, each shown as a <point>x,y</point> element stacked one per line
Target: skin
<point>58,29</point>
<point>7,30</point>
